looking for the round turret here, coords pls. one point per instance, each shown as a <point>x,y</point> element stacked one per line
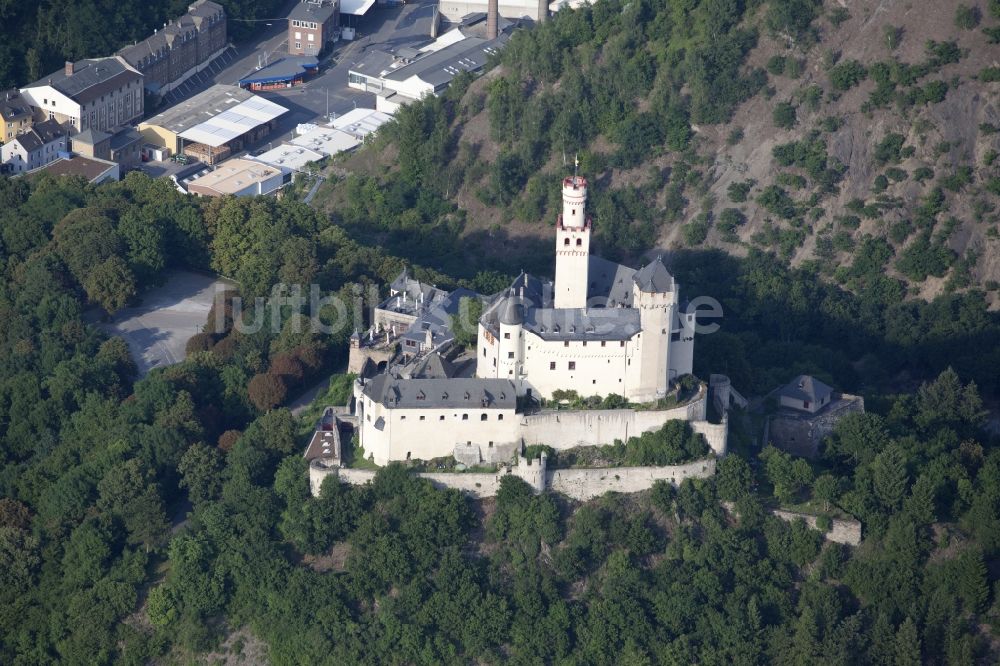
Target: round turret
<point>574,196</point>
<point>511,311</point>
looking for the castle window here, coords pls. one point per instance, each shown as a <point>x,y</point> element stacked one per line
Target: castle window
<point>565,241</point>
<point>603,343</point>
<point>579,242</point>
<point>506,336</point>
<point>402,418</point>
<point>584,343</point>
<point>441,418</point>
<point>465,417</point>
<point>482,417</point>
<point>484,351</point>
<point>552,365</point>
<point>491,445</point>
<point>621,343</point>
<point>565,343</point>
<point>422,417</point>
<point>510,354</point>
<point>499,417</point>
<point>572,365</point>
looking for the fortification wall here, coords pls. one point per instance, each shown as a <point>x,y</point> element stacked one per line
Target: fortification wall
<point>579,484</point>
<point>565,429</point>
<point>585,484</point>
<point>841,531</point>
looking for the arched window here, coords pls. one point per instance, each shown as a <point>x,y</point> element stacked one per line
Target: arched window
<point>579,242</point>
<point>565,241</point>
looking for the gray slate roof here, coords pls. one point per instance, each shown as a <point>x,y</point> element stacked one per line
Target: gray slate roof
<point>654,277</point>
<point>429,366</point>
<point>13,106</point>
<point>805,387</point>
<point>610,282</point>
<point>91,137</point>
<point>310,11</point>
<point>437,318</point>
<point>40,134</point>
<point>461,393</point>
<point>93,77</point>
<point>583,323</point>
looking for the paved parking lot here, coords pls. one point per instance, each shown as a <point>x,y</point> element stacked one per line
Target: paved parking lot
<point>157,330</point>
<point>385,28</point>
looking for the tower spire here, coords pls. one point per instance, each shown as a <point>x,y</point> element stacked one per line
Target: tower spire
<point>576,165</point>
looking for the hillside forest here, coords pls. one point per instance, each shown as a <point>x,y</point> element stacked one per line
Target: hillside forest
<point>167,518</point>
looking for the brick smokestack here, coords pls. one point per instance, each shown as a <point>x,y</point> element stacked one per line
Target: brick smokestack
<point>543,11</point>
<point>70,68</point>
<point>492,19</point>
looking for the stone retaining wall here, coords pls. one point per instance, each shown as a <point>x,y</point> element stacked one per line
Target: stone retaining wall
<point>578,484</point>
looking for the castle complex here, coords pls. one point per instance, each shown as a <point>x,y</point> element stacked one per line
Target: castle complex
<point>599,329</point>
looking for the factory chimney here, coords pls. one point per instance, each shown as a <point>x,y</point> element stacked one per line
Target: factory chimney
<point>543,11</point>
<point>492,19</point>
<point>434,22</point>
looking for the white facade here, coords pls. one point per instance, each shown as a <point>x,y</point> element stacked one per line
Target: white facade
<point>20,159</point>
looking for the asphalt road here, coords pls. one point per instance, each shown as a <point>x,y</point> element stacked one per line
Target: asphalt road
<point>384,28</point>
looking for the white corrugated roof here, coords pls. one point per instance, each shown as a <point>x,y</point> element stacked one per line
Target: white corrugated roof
<point>447,39</point>
<point>234,122</point>
<point>327,141</point>
<point>289,156</point>
<point>361,122</point>
<point>355,7</point>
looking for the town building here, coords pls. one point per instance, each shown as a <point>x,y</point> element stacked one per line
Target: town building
<point>455,11</point>
<point>325,140</point>
<point>312,24</point>
<point>282,73</point>
<point>15,115</point>
<point>45,142</point>
<point>181,49</point>
<point>97,93</point>
<point>409,74</point>
<point>289,156</point>
<point>214,124</point>
<point>123,147</point>
<point>94,171</point>
<point>360,123</point>
<point>242,178</point>
<point>600,328</point>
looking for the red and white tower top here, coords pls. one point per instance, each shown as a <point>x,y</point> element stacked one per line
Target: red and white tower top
<point>574,196</point>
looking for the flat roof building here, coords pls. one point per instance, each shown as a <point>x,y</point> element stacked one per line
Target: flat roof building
<point>240,177</point>
<point>96,171</point>
<point>282,73</point>
<point>360,123</point>
<point>326,140</point>
<point>289,156</point>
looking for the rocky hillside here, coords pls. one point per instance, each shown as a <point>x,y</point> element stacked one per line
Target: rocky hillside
<point>856,138</point>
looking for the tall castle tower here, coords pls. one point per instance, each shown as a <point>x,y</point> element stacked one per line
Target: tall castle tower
<point>572,246</point>
<point>655,295</point>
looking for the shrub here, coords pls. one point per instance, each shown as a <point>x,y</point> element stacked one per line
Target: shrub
<point>958,180</point>
<point>824,523</point>
<point>989,74</point>
<point>696,231</point>
<point>775,200</point>
<point>896,174</point>
<point>847,74</point>
<point>735,136</point>
<point>738,192</point>
<point>966,17</point>
<point>729,220</point>
<point>783,115</point>
<point>920,174</point>
<point>199,342</point>
<point>838,15</point>
<point>888,149</point>
<point>775,65</point>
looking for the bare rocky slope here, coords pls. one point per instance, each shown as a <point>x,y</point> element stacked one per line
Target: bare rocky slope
<point>892,150</point>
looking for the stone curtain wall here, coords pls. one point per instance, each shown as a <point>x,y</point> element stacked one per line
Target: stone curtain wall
<point>578,484</point>
<point>565,429</point>
<point>841,531</point>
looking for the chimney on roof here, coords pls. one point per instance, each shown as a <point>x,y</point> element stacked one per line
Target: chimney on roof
<point>434,22</point>
<point>70,68</point>
<point>543,11</point>
<point>492,19</point>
